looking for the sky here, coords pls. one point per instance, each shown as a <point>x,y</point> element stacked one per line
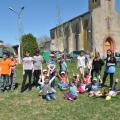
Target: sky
<point>38,17</point>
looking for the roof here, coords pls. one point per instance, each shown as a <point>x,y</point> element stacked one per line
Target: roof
<point>82,15</point>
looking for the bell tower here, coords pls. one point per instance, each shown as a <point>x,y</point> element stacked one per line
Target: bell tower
<point>94,4</point>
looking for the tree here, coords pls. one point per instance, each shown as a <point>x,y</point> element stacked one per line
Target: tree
<point>28,42</point>
<point>41,41</point>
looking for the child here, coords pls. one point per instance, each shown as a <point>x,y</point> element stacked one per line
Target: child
<point>87,79</point>
<point>48,92</point>
<point>27,70</point>
<point>94,88</point>
<point>63,80</point>
<point>97,66</point>
<point>5,66</point>
<point>13,72</point>
<point>81,64</point>
<point>42,79</point>
<point>37,60</point>
<point>81,86</point>
<point>51,69</point>
<point>72,94</point>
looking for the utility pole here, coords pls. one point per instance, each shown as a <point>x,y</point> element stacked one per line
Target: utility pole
<point>20,31</point>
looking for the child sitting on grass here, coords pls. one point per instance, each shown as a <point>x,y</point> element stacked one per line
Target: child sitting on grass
<point>81,86</point>
<point>48,92</point>
<point>63,80</point>
<point>72,94</point>
<point>94,88</point>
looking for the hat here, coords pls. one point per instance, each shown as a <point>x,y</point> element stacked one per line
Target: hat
<point>94,78</point>
<point>45,70</point>
<point>63,72</point>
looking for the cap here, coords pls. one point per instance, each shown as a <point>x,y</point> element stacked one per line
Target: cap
<point>94,78</point>
<point>63,72</point>
<point>45,70</point>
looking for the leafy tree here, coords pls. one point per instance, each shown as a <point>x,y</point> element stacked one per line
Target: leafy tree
<point>28,42</point>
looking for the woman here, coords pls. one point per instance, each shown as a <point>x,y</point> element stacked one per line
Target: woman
<point>109,68</point>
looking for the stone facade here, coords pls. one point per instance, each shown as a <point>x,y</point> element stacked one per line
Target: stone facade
<point>98,29</point>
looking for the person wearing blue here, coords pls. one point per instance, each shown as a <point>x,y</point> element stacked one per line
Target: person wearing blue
<point>51,69</point>
<point>110,68</point>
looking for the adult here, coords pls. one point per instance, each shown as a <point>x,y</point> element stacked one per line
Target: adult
<point>109,68</point>
<point>37,62</point>
<point>27,70</point>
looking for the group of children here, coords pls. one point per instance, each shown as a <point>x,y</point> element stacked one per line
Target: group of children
<point>89,80</point>
<point>8,73</point>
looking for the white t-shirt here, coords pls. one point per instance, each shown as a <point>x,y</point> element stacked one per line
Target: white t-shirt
<point>81,61</point>
<point>28,63</point>
<point>37,62</point>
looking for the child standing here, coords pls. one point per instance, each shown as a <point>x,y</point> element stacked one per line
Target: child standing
<point>51,69</point>
<point>5,66</point>
<point>97,66</point>
<point>37,60</point>
<point>13,72</point>
<point>81,63</point>
<point>27,70</point>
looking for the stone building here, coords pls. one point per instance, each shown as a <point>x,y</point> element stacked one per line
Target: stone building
<point>98,29</point>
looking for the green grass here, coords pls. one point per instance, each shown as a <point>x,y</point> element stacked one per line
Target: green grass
<point>30,106</point>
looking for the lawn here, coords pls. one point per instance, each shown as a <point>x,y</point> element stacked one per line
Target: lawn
<point>30,106</point>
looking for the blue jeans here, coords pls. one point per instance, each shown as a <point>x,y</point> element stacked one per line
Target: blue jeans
<point>5,79</point>
<point>49,96</point>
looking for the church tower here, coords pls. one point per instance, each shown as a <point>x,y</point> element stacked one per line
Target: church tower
<point>94,4</point>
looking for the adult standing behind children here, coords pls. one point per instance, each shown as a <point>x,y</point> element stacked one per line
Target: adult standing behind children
<point>109,68</point>
<point>27,70</point>
<point>5,66</point>
<point>37,62</point>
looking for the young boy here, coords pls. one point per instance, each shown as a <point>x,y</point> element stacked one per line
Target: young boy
<point>37,60</point>
<point>5,66</point>
<point>13,72</point>
<point>51,69</point>
<point>27,70</point>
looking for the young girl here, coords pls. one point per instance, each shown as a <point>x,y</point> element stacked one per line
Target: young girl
<point>97,66</point>
<point>109,68</point>
<point>63,80</point>
<point>81,63</point>
<point>72,94</point>
<point>81,86</point>
<point>48,92</point>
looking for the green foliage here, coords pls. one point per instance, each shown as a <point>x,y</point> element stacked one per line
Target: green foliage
<point>28,43</point>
